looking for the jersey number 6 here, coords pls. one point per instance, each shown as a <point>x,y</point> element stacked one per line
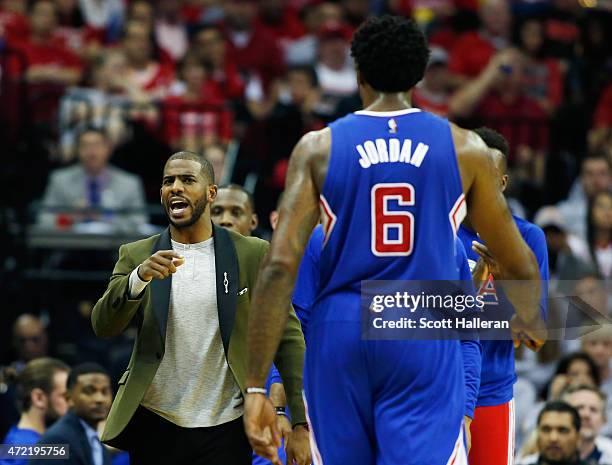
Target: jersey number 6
<point>383,220</point>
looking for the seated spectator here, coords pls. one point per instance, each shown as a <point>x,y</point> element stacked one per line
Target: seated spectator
<point>209,45</point>
<point>498,98</point>
<point>215,154</point>
<point>602,121</point>
<point>170,30</point>
<point>105,17</point>
<point>575,369</point>
<point>111,103</point>
<point>595,176</point>
<point>598,345</point>
<point>335,70</point>
<point>433,92</point>
<point>543,76</point>
<point>355,12</point>
<point>89,397</point>
<point>568,255</point>
<point>49,61</point>
<point>93,190</point>
<point>591,405</point>
<point>280,20</point>
<point>81,39</point>
<point>146,70</point>
<point>29,340</point>
<point>41,400</point>
<point>253,50</point>
<point>303,51</point>
<point>599,232</point>
<point>558,436</point>
<point>14,25</point>
<point>195,117</point>
<point>472,51</point>
<point>143,12</point>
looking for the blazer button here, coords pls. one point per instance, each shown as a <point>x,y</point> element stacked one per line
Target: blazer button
<point>158,355</point>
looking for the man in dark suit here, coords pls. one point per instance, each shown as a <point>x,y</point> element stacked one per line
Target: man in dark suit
<point>180,400</point>
<point>89,397</point>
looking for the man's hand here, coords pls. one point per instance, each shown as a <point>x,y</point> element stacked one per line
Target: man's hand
<point>261,427</point>
<point>298,447</point>
<point>160,265</point>
<point>533,334</point>
<point>284,426</point>
<point>468,433</point>
<point>487,258</point>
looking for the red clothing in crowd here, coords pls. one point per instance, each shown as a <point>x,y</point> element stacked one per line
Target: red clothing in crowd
<point>603,113</point>
<point>228,82</point>
<point>544,79</point>
<point>203,118</point>
<point>289,27</point>
<point>13,26</point>
<point>433,103</point>
<point>470,54</point>
<point>155,79</point>
<point>522,122</point>
<point>261,55</point>
<point>51,53</point>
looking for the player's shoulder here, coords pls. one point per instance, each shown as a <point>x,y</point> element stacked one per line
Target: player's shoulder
<point>528,229</point>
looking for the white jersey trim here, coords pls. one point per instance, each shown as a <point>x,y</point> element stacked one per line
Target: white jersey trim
<point>387,114</point>
<point>457,213</point>
<point>328,218</point>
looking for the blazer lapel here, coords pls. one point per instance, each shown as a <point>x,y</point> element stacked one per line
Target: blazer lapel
<point>160,288</point>
<point>226,264</point>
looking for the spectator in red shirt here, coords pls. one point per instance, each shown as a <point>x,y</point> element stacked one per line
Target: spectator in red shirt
<point>543,76</point>
<point>254,51</point>
<point>600,137</point>
<point>210,47</point>
<point>48,62</point>
<point>170,31</point>
<point>279,19</point>
<point>193,119</point>
<point>13,21</point>
<point>145,70</point>
<point>498,98</point>
<point>473,50</point>
<point>355,12</point>
<point>433,92</point>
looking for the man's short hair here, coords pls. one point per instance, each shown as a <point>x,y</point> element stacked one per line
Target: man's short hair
<point>586,387</point>
<point>240,188</point>
<point>561,407</point>
<point>88,129</point>
<point>493,139</point>
<point>391,53</point>
<point>597,155</point>
<point>84,369</point>
<point>307,70</point>
<point>207,169</point>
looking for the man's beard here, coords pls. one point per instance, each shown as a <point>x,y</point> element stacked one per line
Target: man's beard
<point>198,210</point>
<point>51,416</point>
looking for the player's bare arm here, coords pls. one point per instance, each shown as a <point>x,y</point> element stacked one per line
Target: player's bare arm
<point>490,216</point>
<point>299,213</point>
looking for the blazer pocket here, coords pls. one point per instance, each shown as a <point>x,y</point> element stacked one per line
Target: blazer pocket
<point>243,295</point>
<point>124,377</point>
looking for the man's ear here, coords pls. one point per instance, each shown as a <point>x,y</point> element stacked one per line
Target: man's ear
<point>254,221</point>
<point>212,192</point>
<point>38,398</point>
<point>504,182</point>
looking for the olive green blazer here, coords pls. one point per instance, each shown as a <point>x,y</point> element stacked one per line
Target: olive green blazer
<point>236,257</point>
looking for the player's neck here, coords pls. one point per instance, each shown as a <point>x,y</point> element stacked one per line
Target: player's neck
<point>377,101</point>
<point>32,420</point>
<point>198,232</point>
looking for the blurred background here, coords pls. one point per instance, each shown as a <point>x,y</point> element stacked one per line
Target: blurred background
<point>96,94</point>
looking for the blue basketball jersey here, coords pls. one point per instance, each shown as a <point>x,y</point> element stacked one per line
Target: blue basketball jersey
<point>392,200</point>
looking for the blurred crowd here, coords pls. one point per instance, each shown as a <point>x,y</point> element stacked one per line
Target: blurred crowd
<point>96,94</point>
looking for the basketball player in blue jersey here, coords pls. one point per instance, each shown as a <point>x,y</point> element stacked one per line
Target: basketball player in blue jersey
<point>390,181</point>
<point>492,428</point>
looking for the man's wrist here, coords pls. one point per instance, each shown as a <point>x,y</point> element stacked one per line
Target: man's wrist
<point>256,390</point>
<point>303,425</point>
<point>140,276</point>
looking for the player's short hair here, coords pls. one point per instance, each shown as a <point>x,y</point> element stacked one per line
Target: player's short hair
<point>238,187</point>
<point>493,139</point>
<point>207,169</point>
<point>391,53</point>
<point>561,407</point>
<point>84,369</point>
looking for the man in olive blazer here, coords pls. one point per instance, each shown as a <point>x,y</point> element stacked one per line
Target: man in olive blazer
<point>188,187</point>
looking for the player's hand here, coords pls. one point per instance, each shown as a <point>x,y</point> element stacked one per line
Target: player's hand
<point>532,334</point>
<point>160,265</point>
<point>298,447</point>
<point>261,427</point>
<point>284,426</point>
<point>486,256</point>
<point>468,433</point>
<point>480,273</point>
